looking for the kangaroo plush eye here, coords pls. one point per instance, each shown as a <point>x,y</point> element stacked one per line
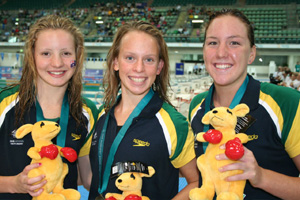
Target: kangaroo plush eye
<point>229,111</point>
<point>132,176</point>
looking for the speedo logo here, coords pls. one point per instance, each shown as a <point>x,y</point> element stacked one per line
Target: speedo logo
<point>140,143</point>
<point>75,136</point>
<point>252,137</point>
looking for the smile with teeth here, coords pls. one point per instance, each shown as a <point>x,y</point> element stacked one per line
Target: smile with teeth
<point>138,80</point>
<point>56,73</point>
<point>223,66</point>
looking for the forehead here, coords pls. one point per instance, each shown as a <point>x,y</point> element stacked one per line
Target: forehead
<point>58,33</point>
<point>227,24</point>
<point>138,39</point>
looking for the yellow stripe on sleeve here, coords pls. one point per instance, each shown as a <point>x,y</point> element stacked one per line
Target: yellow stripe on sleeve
<point>187,153</point>
<point>292,143</point>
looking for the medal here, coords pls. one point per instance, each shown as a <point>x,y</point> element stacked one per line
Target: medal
<point>100,197</point>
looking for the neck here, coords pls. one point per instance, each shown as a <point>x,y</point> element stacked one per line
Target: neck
<point>51,100</point>
<point>224,95</point>
<point>51,97</point>
<point>126,106</point>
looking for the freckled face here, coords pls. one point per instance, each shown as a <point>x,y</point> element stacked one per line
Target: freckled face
<point>54,53</point>
<point>227,51</point>
<point>138,62</point>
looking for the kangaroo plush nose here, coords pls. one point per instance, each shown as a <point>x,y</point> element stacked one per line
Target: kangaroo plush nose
<point>119,180</point>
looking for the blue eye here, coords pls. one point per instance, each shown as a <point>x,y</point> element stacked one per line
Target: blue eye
<point>149,60</point>
<point>129,58</point>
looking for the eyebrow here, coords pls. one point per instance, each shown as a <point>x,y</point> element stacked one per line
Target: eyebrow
<point>230,37</point>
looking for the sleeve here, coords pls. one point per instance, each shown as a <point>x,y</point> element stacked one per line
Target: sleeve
<point>188,152</point>
<point>195,104</point>
<point>180,134</point>
<point>292,144</point>
<point>285,113</point>
<point>90,111</point>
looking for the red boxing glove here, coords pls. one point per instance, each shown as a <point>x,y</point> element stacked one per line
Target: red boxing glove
<point>133,197</point>
<point>111,198</point>
<point>213,136</point>
<point>234,149</point>
<point>49,151</point>
<point>69,153</point>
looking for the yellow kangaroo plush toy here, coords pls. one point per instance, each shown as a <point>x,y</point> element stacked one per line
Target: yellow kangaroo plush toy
<point>224,121</point>
<point>131,185</point>
<point>45,152</point>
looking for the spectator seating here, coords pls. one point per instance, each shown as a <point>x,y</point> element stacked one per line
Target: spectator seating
<point>99,21</point>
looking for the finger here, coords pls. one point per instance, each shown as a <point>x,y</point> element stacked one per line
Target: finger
<point>237,177</point>
<point>36,193</point>
<point>32,166</point>
<point>34,180</point>
<point>230,167</point>
<point>222,157</point>
<point>34,188</point>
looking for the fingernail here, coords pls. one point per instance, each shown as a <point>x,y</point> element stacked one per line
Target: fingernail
<point>40,164</point>
<point>217,157</point>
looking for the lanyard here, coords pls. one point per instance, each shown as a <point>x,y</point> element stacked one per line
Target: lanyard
<point>137,110</point>
<point>236,100</point>
<point>63,121</point>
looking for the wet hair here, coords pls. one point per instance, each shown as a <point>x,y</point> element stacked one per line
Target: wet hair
<point>28,82</point>
<point>111,81</point>
<point>235,13</point>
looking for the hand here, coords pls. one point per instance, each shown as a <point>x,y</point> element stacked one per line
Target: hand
<point>248,164</point>
<point>33,186</point>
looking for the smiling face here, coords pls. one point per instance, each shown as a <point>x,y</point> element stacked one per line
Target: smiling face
<point>138,63</point>
<point>54,54</point>
<point>227,51</point>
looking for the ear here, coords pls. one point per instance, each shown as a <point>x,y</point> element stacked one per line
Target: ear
<point>116,64</point>
<point>252,55</point>
<point>160,66</point>
<point>151,172</point>
<point>205,118</point>
<point>23,130</point>
<point>241,110</point>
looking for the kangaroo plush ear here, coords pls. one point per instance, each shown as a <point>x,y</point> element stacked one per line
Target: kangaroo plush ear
<point>241,110</point>
<point>23,130</point>
<point>151,172</point>
<point>205,118</point>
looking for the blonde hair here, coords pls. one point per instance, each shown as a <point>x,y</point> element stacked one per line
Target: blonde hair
<point>111,81</point>
<point>27,91</point>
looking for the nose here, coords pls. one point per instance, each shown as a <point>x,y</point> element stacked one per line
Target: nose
<point>119,180</point>
<point>57,61</point>
<point>222,50</point>
<point>139,65</point>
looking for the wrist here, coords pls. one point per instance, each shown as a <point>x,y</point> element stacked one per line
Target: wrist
<point>7,184</point>
<point>259,180</point>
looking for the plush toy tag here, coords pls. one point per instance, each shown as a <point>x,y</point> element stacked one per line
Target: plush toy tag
<point>122,167</point>
<point>243,123</point>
